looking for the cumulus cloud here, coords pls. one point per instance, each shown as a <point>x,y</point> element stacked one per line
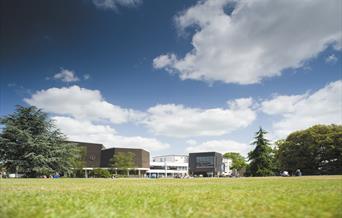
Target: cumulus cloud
<point>86,131</point>
<point>66,76</point>
<point>164,61</point>
<point>221,146</point>
<point>259,39</point>
<point>169,119</point>
<point>331,59</point>
<point>180,121</point>
<point>81,103</point>
<point>302,111</point>
<point>114,4</point>
<point>282,104</point>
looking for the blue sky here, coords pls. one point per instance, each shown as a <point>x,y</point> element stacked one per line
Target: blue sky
<point>173,76</point>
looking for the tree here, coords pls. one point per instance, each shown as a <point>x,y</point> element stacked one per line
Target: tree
<point>277,145</point>
<point>123,161</point>
<point>101,173</point>
<point>261,158</point>
<point>78,161</point>
<point>316,150</point>
<point>238,160</point>
<point>31,144</point>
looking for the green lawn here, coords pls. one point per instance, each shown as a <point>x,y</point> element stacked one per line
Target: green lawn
<point>220,197</point>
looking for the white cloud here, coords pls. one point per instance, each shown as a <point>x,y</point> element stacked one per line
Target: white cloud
<point>66,76</point>
<point>302,111</point>
<point>331,59</point>
<point>81,103</point>
<point>164,61</point>
<point>180,121</point>
<point>240,103</point>
<point>86,131</point>
<point>281,104</point>
<point>259,39</point>
<point>114,4</point>
<point>169,119</point>
<point>221,146</point>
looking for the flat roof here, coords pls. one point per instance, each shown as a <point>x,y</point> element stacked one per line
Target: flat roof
<point>103,147</point>
<point>125,148</point>
<point>169,155</point>
<point>203,152</point>
<point>90,143</point>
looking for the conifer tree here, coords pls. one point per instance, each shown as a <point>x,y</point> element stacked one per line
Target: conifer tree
<point>261,158</point>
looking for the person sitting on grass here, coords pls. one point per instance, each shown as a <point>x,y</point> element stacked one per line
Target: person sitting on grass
<point>298,172</point>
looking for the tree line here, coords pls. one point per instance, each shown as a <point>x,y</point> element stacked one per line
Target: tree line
<point>314,151</point>
<point>31,144</point>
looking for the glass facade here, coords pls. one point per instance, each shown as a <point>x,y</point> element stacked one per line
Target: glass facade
<point>204,162</point>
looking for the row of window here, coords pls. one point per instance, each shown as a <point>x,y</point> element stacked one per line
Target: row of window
<point>175,159</point>
<point>204,162</point>
<point>168,168</point>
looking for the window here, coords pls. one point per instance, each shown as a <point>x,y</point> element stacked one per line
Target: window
<point>172,168</point>
<point>205,162</point>
<point>157,167</point>
<point>92,157</point>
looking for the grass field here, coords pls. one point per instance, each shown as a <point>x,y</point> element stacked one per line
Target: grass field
<point>219,197</point>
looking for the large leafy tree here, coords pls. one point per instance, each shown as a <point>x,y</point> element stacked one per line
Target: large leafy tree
<point>78,161</point>
<point>123,161</point>
<point>238,160</point>
<point>31,144</point>
<point>261,158</point>
<point>316,150</point>
<point>277,145</point>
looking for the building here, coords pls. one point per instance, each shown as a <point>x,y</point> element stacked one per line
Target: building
<point>96,156</point>
<point>226,166</point>
<point>206,164</point>
<point>171,158</point>
<point>141,158</point>
<point>92,153</point>
<point>169,166</point>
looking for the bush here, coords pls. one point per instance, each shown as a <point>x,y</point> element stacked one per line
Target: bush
<point>77,173</point>
<point>101,173</point>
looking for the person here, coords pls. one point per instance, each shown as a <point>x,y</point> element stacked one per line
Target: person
<point>56,176</point>
<point>285,173</point>
<point>298,172</point>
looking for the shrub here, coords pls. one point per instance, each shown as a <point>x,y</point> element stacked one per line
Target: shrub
<point>101,173</point>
